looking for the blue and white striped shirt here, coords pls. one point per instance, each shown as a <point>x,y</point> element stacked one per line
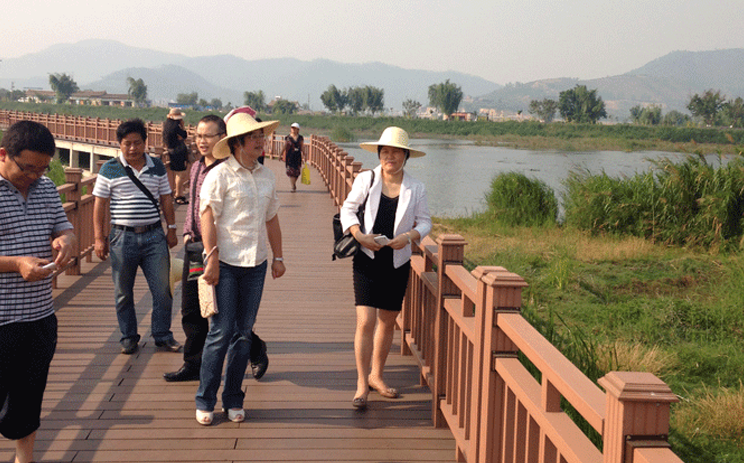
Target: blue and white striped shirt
<point>26,228</point>
<point>129,205</point>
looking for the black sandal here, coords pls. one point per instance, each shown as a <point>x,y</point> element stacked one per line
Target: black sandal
<point>181,200</point>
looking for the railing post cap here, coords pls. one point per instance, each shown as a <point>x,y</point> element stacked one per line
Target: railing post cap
<point>636,386</point>
<point>504,279</point>
<point>451,240</point>
<point>483,270</point>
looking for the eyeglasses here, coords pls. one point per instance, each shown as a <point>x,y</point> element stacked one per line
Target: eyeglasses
<point>26,169</point>
<point>206,136</point>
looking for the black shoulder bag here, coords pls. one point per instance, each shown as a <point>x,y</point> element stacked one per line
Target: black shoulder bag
<point>139,184</point>
<point>344,244</point>
<point>195,247</point>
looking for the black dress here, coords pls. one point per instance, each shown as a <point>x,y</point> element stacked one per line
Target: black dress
<point>376,282</point>
<point>174,136</point>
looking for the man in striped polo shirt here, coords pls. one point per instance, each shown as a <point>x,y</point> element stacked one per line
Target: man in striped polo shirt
<point>136,238</point>
<point>32,223</point>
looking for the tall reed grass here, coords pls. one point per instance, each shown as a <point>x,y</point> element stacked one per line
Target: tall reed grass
<point>689,203</point>
<point>516,200</point>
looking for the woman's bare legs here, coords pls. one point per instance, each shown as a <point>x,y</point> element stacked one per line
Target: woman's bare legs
<point>25,448</point>
<point>371,346</point>
<point>363,347</point>
<point>383,341</point>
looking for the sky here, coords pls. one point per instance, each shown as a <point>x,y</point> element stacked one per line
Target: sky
<point>502,41</point>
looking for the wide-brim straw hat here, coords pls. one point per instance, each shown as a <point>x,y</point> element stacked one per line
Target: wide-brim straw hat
<point>395,137</point>
<point>238,125</point>
<point>176,114</point>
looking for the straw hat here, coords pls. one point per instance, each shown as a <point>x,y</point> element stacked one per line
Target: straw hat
<point>240,124</point>
<point>176,114</point>
<point>395,137</point>
<point>243,109</point>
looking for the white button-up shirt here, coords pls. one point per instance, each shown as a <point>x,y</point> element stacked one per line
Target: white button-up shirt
<point>242,202</point>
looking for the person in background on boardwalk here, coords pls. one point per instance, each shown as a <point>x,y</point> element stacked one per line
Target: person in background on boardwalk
<point>33,224</point>
<point>136,238</point>
<point>178,153</point>
<point>397,210</point>
<point>209,131</point>
<point>292,154</point>
<point>238,209</point>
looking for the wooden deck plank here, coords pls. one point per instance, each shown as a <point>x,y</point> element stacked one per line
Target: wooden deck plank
<point>103,406</point>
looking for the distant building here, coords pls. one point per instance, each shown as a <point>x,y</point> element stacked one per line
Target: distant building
<point>86,97</point>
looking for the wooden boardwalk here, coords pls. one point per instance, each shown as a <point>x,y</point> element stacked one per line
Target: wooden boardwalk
<point>101,406</point>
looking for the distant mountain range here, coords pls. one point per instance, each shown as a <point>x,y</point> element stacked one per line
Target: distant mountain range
<point>105,65</point>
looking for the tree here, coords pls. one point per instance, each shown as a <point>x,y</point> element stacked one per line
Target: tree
<point>355,97</point>
<point>11,95</point>
<point>734,112</point>
<point>374,99</point>
<point>216,103</point>
<point>675,118</point>
<point>581,105</point>
<point>284,107</point>
<point>544,109</point>
<point>650,115</point>
<point>708,106</point>
<point>255,100</point>
<point>333,99</point>
<point>187,99</point>
<point>137,90</point>
<point>63,86</point>
<point>410,108</point>
<point>445,96</point>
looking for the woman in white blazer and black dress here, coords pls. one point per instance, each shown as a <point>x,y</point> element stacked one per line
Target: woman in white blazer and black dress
<point>397,209</point>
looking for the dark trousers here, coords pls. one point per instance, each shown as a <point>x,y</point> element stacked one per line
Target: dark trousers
<point>196,327</point>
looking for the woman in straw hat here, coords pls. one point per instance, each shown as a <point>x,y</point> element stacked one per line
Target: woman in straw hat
<point>238,210</point>
<point>395,215</point>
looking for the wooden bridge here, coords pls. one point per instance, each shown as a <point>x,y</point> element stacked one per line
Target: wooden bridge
<point>466,396</point>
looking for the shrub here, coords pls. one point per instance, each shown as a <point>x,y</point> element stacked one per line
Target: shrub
<point>515,199</point>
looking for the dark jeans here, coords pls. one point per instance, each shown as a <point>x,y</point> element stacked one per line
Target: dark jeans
<point>196,327</point>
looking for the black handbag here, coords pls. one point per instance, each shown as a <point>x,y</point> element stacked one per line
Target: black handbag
<point>195,258</point>
<point>344,244</point>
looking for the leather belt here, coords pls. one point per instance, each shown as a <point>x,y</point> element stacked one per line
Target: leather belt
<point>141,229</point>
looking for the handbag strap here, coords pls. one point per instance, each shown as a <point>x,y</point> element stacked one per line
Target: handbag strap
<point>360,212</point>
<point>201,164</point>
<point>139,184</point>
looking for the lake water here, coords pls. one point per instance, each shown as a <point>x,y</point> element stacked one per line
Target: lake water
<point>458,174</point>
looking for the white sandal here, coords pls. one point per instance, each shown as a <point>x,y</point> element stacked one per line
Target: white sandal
<point>236,415</point>
<point>204,417</point>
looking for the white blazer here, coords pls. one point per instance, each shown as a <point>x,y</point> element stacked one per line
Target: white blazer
<point>412,212</point>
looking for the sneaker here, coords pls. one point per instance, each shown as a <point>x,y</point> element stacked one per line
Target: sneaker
<point>169,344</point>
<point>129,346</point>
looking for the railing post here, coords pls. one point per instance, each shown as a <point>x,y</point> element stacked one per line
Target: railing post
<point>638,408</point>
<point>75,176</point>
<point>451,251</point>
<point>499,291</point>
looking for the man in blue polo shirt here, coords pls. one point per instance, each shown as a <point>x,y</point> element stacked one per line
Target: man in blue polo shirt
<point>135,186</point>
<point>32,224</point>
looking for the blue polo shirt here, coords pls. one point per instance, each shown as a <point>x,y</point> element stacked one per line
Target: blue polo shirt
<point>26,228</point>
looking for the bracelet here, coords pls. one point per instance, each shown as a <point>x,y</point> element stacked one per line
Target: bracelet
<point>172,226</point>
<point>206,255</point>
<point>279,259</point>
<point>408,235</point>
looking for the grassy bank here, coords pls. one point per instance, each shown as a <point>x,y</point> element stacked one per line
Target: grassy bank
<point>525,135</point>
<point>622,303</point>
<point>645,274</point>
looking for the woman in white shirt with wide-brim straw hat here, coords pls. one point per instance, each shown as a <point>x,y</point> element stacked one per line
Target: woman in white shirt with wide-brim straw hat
<point>397,209</point>
<point>238,210</point>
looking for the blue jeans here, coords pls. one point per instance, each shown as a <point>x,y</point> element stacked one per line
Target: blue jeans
<point>148,251</point>
<point>238,296</point>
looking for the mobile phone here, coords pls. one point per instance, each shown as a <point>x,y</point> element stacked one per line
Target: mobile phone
<point>50,266</point>
<point>382,240</point>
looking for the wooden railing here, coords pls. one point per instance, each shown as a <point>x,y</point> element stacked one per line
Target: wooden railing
<point>466,331</point>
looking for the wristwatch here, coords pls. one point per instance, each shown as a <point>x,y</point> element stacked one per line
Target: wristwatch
<point>279,259</point>
<point>172,226</point>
